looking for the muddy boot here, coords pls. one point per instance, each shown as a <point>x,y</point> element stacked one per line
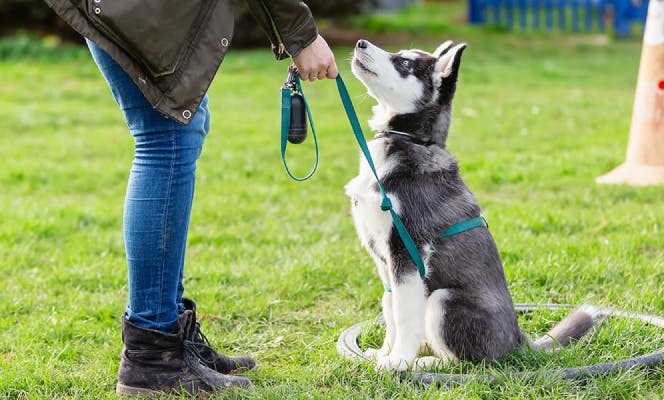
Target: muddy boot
<point>156,363</point>
<point>208,355</point>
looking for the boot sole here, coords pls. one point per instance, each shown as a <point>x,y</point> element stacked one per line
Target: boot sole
<point>124,390</point>
<point>131,391</point>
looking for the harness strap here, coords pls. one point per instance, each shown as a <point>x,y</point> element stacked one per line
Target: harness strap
<point>477,222</point>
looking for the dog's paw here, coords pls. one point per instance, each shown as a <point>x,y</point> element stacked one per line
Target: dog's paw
<point>427,363</point>
<point>392,363</point>
<point>376,354</point>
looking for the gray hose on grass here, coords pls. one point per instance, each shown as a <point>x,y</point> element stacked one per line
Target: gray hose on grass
<point>348,347</point>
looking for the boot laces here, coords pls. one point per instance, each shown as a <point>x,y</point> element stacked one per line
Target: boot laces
<point>200,346</point>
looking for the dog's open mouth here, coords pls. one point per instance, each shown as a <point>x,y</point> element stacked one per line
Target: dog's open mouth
<point>362,67</point>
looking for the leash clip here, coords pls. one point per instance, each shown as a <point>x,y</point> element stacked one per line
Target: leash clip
<point>290,82</point>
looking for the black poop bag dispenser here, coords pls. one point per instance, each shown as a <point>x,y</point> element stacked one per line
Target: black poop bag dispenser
<point>297,129</point>
<point>294,114</point>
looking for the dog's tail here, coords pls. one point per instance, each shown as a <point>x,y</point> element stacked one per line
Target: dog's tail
<point>573,327</point>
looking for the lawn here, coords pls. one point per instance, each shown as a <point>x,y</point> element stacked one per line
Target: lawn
<point>276,266</point>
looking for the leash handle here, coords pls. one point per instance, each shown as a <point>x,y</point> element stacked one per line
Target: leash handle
<point>285,122</point>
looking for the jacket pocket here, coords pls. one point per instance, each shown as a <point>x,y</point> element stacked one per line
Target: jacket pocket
<point>155,33</point>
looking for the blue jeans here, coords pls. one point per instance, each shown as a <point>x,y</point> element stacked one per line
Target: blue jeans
<point>158,200</point>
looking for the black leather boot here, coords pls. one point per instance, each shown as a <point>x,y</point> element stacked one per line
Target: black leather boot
<point>208,355</point>
<point>156,363</point>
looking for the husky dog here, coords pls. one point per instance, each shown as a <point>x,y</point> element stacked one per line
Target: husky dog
<point>462,309</point>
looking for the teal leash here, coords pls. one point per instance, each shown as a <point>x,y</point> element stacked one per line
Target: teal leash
<point>386,203</point>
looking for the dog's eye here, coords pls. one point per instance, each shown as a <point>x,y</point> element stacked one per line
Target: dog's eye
<point>405,63</point>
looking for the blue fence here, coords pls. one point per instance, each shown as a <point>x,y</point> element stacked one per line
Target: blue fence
<point>563,15</point>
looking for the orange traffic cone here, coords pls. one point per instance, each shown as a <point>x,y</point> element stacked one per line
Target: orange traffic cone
<point>644,163</point>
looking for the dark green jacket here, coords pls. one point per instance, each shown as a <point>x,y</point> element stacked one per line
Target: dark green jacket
<point>172,48</point>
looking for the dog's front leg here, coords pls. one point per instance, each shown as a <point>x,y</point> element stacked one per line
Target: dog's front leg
<point>388,342</point>
<point>408,306</point>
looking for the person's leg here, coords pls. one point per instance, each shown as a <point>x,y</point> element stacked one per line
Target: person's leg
<point>160,353</point>
<point>158,199</point>
<point>156,218</point>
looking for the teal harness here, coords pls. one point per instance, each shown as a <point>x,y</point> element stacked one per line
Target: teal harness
<point>386,203</point>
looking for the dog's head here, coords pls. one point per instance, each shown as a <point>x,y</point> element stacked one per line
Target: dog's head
<point>414,89</point>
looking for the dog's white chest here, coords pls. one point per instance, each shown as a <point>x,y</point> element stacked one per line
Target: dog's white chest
<point>373,225</point>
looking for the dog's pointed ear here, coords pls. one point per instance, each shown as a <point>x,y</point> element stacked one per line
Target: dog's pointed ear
<point>442,49</point>
<point>449,61</point>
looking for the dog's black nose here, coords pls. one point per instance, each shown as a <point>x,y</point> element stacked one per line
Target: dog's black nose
<point>362,44</point>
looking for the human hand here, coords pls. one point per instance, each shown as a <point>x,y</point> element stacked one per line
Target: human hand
<point>316,61</point>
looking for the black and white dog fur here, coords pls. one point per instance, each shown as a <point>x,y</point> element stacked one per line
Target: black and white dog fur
<point>463,308</point>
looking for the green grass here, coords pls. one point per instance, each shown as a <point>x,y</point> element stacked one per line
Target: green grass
<point>276,266</point>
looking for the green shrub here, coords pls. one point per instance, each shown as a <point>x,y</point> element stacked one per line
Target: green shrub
<point>32,47</point>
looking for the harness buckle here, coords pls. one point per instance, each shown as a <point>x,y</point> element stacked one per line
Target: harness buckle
<point>386,204</point>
